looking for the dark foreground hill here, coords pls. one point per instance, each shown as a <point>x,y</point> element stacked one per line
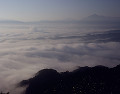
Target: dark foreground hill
<point>84,80</point>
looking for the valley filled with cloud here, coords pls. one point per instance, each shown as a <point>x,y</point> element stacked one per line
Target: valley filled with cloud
<point>28,48</point>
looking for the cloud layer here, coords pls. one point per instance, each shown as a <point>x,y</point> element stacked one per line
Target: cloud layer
<point>29,48</point>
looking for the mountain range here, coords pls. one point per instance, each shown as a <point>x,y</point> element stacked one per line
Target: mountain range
<point>84,80</point>
<point>96,17</point>
<point>92,19</point>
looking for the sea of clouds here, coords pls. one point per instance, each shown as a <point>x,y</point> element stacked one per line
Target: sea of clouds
<point>27,48</point>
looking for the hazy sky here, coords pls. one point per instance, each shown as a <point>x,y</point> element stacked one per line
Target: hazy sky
<point>34,10</point>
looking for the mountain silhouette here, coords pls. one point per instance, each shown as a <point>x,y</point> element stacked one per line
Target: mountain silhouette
<point>84,80</point>
<point>11,22</point>
<point>96,19</point>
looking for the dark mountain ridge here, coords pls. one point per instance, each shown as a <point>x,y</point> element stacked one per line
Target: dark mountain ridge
<point>84,80</point>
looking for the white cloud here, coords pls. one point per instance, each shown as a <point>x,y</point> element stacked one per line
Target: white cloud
<point>24,52</point>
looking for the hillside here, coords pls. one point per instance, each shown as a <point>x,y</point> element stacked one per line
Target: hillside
<point>84,80</point>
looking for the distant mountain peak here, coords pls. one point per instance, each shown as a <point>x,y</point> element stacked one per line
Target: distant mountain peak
<point>101,18</point>
<point>94,15</point>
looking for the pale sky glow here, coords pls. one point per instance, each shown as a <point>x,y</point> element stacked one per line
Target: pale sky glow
<point>34,10</point>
